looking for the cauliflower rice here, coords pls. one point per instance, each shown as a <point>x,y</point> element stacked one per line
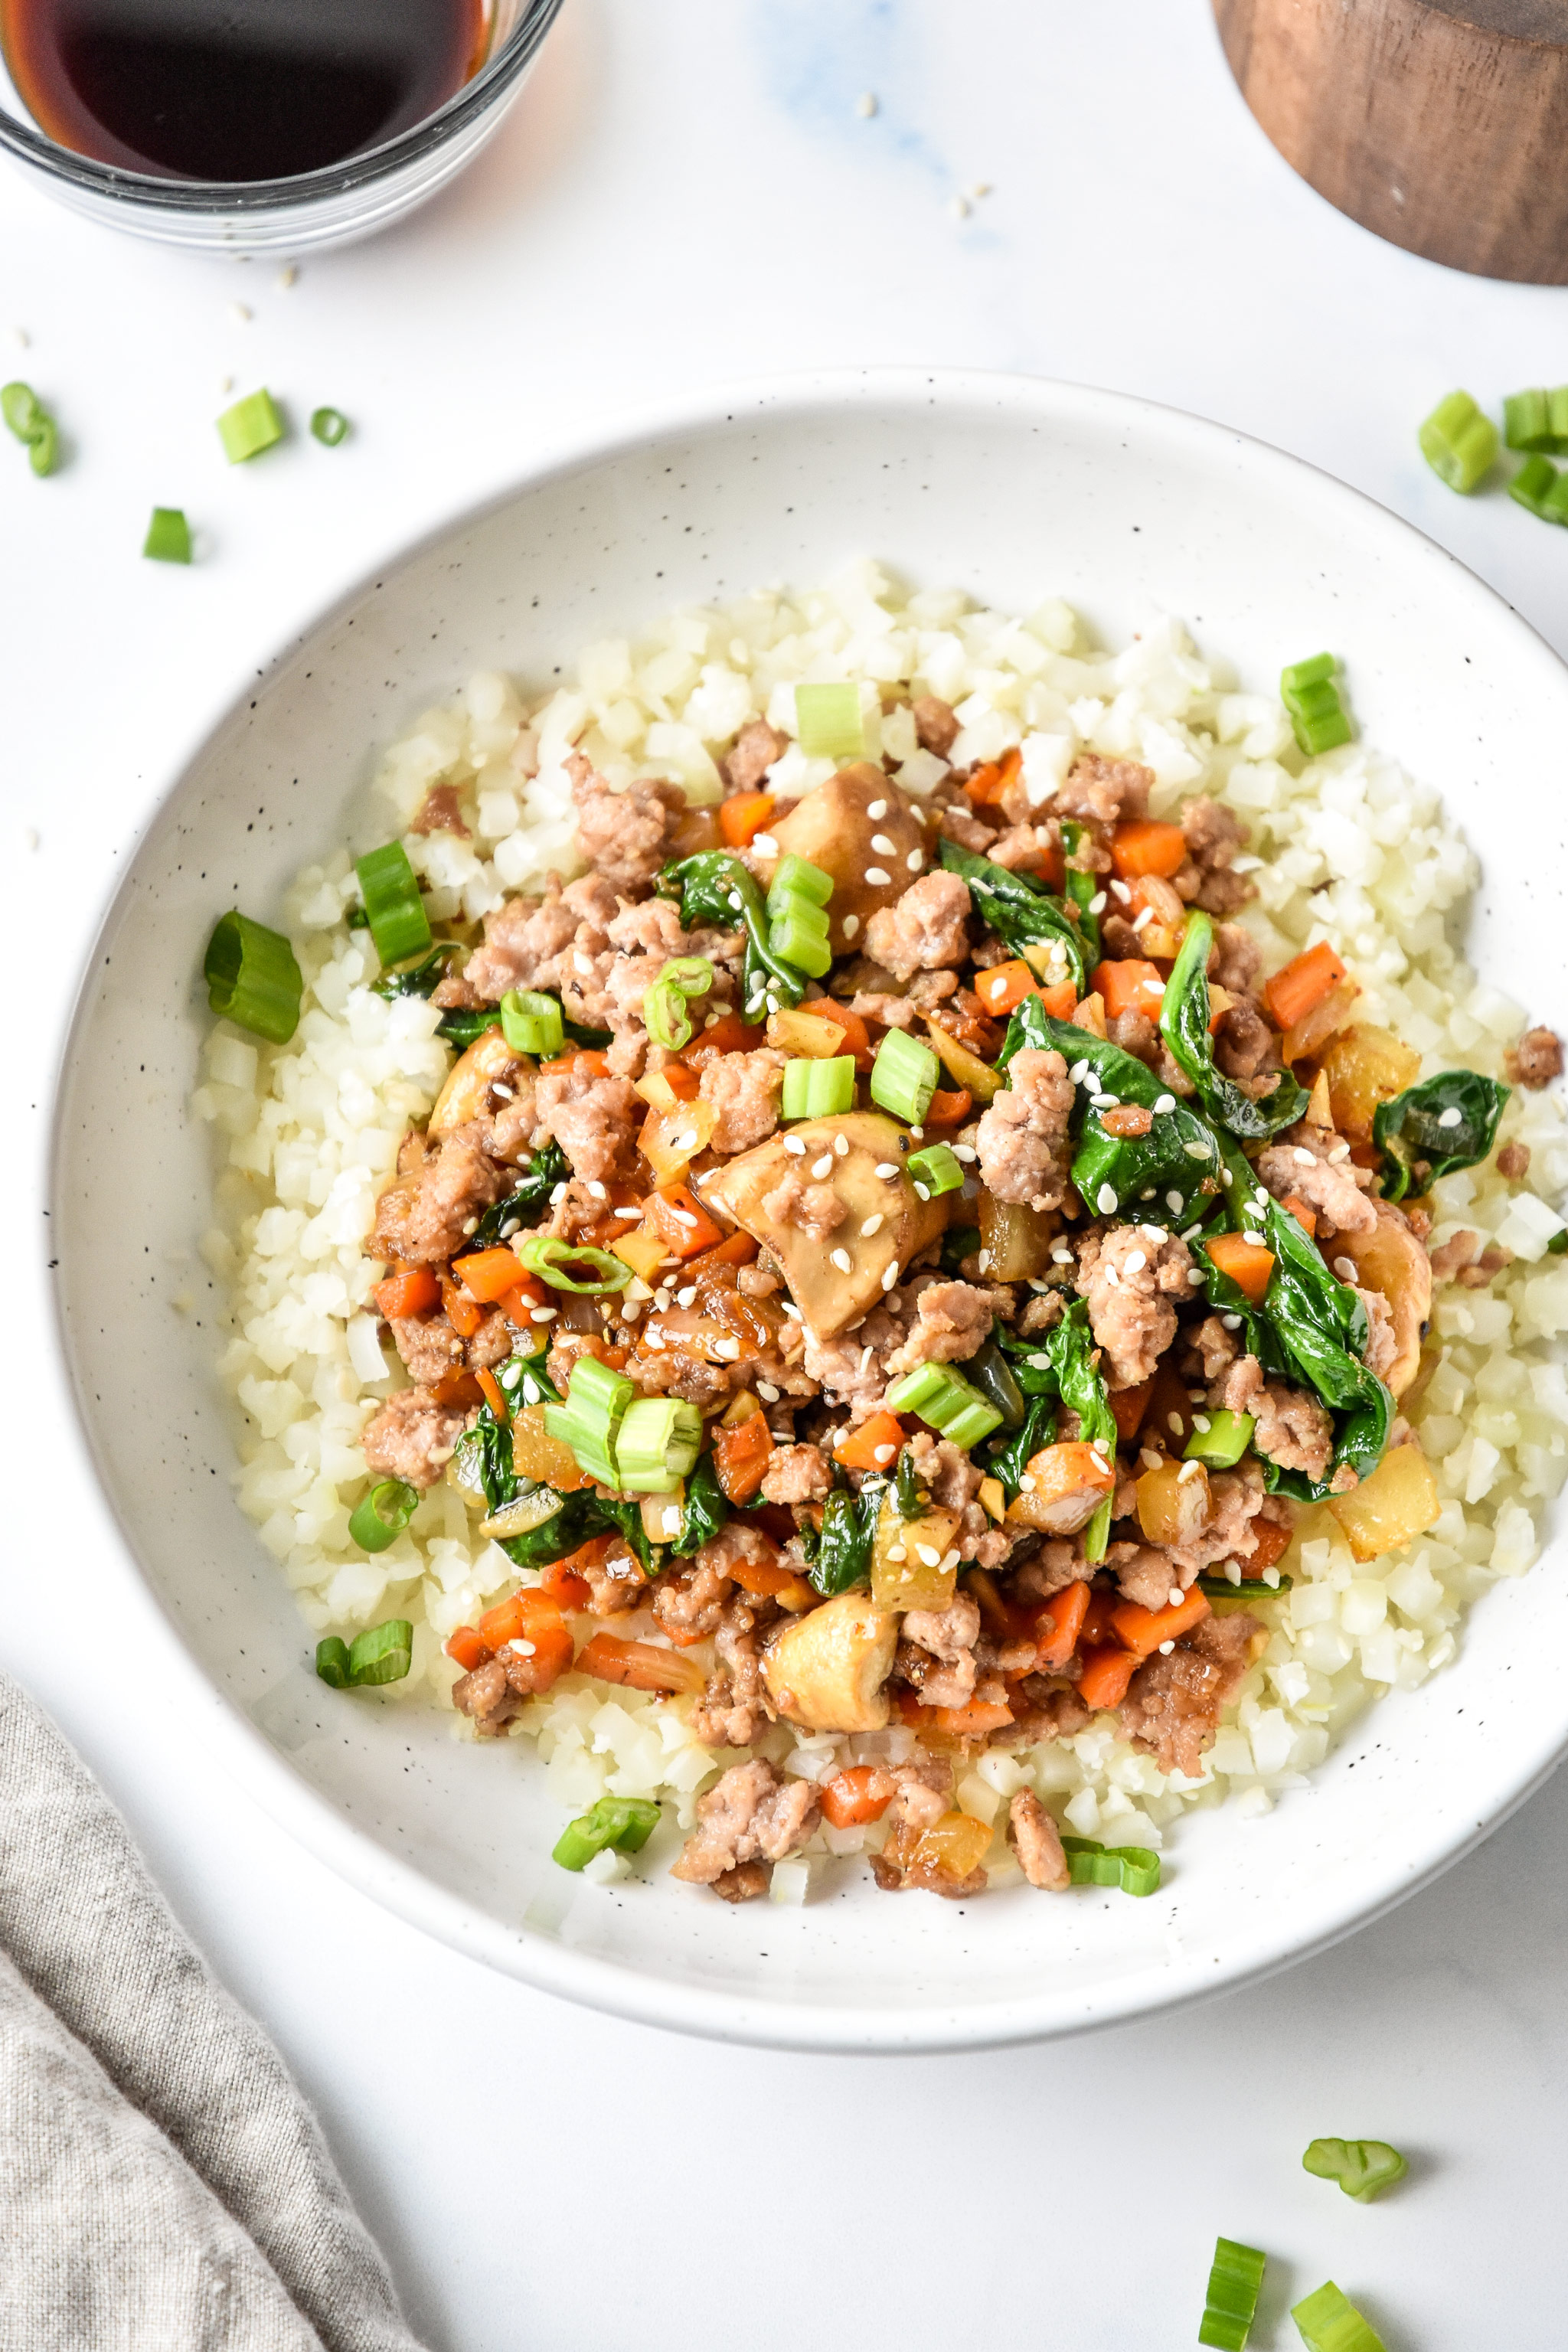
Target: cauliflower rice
<point>1346,848</point>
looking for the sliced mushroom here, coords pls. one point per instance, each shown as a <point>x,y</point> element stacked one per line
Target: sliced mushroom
<point>886,1225</point>
<point>1392,1262</point>
<point>827,1671</point>
<point>834,828</point>
<point>465,1093</point>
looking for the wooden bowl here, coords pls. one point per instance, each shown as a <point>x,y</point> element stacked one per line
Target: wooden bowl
<point>1440,124</point>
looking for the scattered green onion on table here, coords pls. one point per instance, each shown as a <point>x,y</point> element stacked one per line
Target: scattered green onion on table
<point>1362,2167</point>
<point>329,426</point>
<point>27,417</point>
<point>1458,442</point>
<point>1230,2305</point>
<point>168,539</point>
<point>1330,2321</point>
<point>251,425</point>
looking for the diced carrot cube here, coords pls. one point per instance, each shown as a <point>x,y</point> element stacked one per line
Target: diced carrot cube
<point>1106,1675</point>
<point>678,1219</point>
<point>490,1274</point>
<point>1142,1631</point>
<point>947,1109</point>
<point>874,1445</point>
<point>412,1291</point>
<point>1128,985</point>
<point>1005,985</point>
<point>1247,1265</point>
<point>1129,1406</point>
<point>1293,991</point>
<point>1140,845</point>
<point>740,1457</point>
<point>742,816</point>
<point>846,1798</point>
<point>469,1650</point>
<point>1058,1625</point>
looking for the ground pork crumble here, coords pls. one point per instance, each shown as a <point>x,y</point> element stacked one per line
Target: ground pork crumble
<point>832,1564</point>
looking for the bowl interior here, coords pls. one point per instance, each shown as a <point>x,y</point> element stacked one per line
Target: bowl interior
<point>1015,491</point>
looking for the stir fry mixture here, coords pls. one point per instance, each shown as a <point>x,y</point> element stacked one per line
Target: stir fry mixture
<point>891,1262</point>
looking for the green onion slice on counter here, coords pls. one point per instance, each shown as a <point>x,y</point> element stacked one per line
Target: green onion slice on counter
<point>531,1023</point>
<point>1537,420</point>
<point>168,539</point>
<point>942,1397</point>
<point>380,1518</point>
<point>627,1823</point>
<point>904,1077</point>
<point>1362,2167</point>
<point>398,923</point>
<point>1458,442</point>
<point>819,1089</point>
<point>664,1005</point>
<point>596,1272</point>
<point>30,421</point>
<point>329,426</point>
<point>827,722</point>
<point>1230,2306</point>
<point>251,425</point>
<point>253,978</point>
<point>1328,2322</point>
<point>935,1170</point>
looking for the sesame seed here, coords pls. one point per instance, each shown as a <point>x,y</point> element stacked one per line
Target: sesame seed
<point>767,1392</point>
<point>1165,1102</point>
<point>1135,1262</point>
<point>880,842</point>
<point>866,106</point>
<point>965,1152</point>
<point>915,860</point>
<point>1192,1233</point>
<point>922,1190</point>
<point>841,1259</point>
<point>1303,1159</point>
<point>1450,1118</point>
<point>1176,1596</point>
<point>872,1225</point>
<point>1041,1363</point>
<point>579,963</point>
<point>1188,1471</point>
<point>885,1168</point>
<point>737,902</point>
<point>890,1277</point>
<point>1078,1071</point>
<point>504,1094</point>
<point>1105,1201</point>
<point>685,1298</point>
<point>683,1216</point>
<point>791,1309</point>
<point>841,1146</point>
<point>866,1355</point>
<point>1261,1197</point>
<point>543,1314</point>
<point>1147,1459</point>
<point>883,1454</point>
<point>1341,1151</point>
<point>1026,1485</point>
<point>1097,904</point>
<point>1194,1274</point>
<point>1174,1423</point>
<point>1111,1276</point>
<point>521,1649</point>
<point>878,876</point>
<point>615,1213</point>
<point>728,1348</point>
<point>1231,1322</point>
<point>1166,1648</point>
<point>472,1226</point>
<point>983,1259</point>
<point>1141,920</point>
<point>875,809</point>
<point>557,1196</point>
<point>1201,1421</point>
<point>1122,892</point>
<point>823,1166</point>
<point>851,925</point>
<point>1061,1254</point>
<point>630,1309</point>
<point>793,1143</point>
<point>1104,1102</point>
<point>597,1191</point>
<point>1197,1150</point>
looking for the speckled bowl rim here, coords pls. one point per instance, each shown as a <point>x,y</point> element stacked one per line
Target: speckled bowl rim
<point>245,1752</point>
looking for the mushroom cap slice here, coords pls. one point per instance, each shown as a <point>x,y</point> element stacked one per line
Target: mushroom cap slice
<point>830,1296</point>
<point>833,827</point>
<point>828,1670</point>
<point>1392,1261</point>
<point>465,1093</point>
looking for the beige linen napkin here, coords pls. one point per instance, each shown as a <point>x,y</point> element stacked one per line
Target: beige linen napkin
<point>164,2188</point>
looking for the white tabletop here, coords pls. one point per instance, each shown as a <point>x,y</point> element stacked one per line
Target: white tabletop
<point>687,190</point>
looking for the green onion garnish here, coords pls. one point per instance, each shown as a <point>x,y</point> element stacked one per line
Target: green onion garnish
<point>1134,1868</point>
<point>904,1077</point>
<point>253,978</point>
<point>827,722</point>
<point>1318,717</point>
<point>934,1171</point>
<point>1362,2167</point>
<point>1328,2323</point>
<point>947,1400</point>
<point>398,923</point>
<point>1540,489</point>
<point>656,1444</point>
<point>1231,2303</point>
<point>1537,420</point>
<point>329,426</point>
<point>30,421</point>
<point>251,425</point>
<point>382,1653</point>
<point>547,1255</point>
<point>596,1397</point>
<point>664,1005</point>
<point>531,1023</point>
<point>1457,442</point>
<point>1223,1442</point>
<point>384,1514</point>
<point>1250,1589</point>
<point>798,877</point>
<point>819,1089</point>
<point>168,539</point>
<point>797,897</point>
<point>624,1822</point>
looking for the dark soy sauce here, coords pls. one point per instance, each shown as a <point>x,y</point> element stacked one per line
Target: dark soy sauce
<point>236,90</point>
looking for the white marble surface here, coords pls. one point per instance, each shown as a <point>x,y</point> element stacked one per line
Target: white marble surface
<point>687,191</point>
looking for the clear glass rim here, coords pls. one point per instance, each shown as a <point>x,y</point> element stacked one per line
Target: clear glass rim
<point>240,198</point>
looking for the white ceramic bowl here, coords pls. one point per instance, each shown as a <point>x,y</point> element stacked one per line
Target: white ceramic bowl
<point>1016,491</point>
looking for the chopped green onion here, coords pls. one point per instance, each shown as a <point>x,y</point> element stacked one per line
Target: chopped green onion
<point>1362,2167</point>
<point>597,1397</point>
<point>656,1444</point>
<point>1330,2323</point>
<point>384,1514</point>
<point>332,1662</point>
<point>947,1400</point>
<point>627,1823</point>
<point>329,426</point>
<point>664,1004</point>
<point>253,978</point>
<point>1134,1868</point>
<point>531,1023</point>
<point>251,425</point>
<point>827,722</point>
<point>382,1653</point>
<point>1231,2305</point>
<point>1318,718</point>
<point>904,1077</point>
<point>798,877</point>
<point>398,923</point>
<point>1457,442</point>
<point>546,1255</point>
<point>935,1170</point>
<point>1541,489</point>
<point>1223,1442</point>
<point>1558,1245</point>
<point>168,539</point>
<point>799,936</point>
<point>33,425</point>
<point>1537,420</point>
<point>1251,1587</point>
<point>819,1089</point>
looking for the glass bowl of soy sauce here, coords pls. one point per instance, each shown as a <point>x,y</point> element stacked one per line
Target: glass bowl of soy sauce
<point>256,126</point>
